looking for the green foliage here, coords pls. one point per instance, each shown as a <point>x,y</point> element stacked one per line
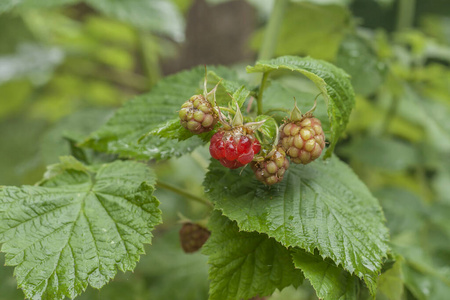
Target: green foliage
<point>310,29</point>
<point>120,135</point>
<point>246,264</point>
<point>332,82</point>
<point>78,227</point>
<point>160,16</point>
<point>65,65</point>
<point>320,206</point>
<point>329,281</point>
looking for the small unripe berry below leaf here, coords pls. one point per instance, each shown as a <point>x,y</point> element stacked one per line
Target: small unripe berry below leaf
<point>197,115</point>
<point>303,141</point>
<point>193,236</point>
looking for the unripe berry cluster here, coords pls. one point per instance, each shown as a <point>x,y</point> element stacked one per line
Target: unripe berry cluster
<point>303,140</point>
<point>271,170</point>
<point>197,115</point>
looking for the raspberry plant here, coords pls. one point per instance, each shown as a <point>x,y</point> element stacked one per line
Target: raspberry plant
<point>287,200</point>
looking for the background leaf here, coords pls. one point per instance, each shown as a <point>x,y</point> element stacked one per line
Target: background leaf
<point>246,264</point>
<point>75,229</point>
<point>332,82</point>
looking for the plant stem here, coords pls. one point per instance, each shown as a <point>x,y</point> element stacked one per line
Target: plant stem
<point>262,86</point>
<point>184,193</point>
<point>273,28</point>
<point>405,14</point>
<point>270,42</point>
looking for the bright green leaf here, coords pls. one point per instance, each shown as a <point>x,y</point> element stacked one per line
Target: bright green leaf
<point>321,206</point>
<point>333,83</point>
<point>329,281</point>
<point>78,227</point>
<point>246,264</point>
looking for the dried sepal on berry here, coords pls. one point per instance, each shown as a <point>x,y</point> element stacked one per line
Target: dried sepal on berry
<point>271,170</point>
<point>193,236</point>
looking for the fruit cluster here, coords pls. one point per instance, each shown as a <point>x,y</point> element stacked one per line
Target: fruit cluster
<point>235,144</point>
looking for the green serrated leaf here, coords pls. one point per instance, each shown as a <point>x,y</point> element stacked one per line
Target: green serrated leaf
<point>322,205</point>
<point>244,264</point>
<point>160,16</point>
<point>333,83</point>
<point>329,281</point>
<point>138,117</point>
<point>78,227</point>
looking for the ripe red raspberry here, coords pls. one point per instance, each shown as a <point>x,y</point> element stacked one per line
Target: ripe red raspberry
<point>303,140</point>
<point>193,236</point>
<point>234,148</point>
<point>197,115</point>
<point>271,170</point>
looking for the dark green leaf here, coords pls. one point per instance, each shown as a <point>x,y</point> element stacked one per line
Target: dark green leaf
<point>333,83</point>
<point>160,16</point>
<point>246,264</point>
<point>78,227</point>
<point>321,206</point>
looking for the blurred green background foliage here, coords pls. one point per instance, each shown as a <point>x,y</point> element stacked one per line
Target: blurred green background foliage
<point>66,65</point>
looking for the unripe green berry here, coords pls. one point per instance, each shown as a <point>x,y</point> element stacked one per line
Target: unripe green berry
<point>303,140</point>
<point>197,115</point>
